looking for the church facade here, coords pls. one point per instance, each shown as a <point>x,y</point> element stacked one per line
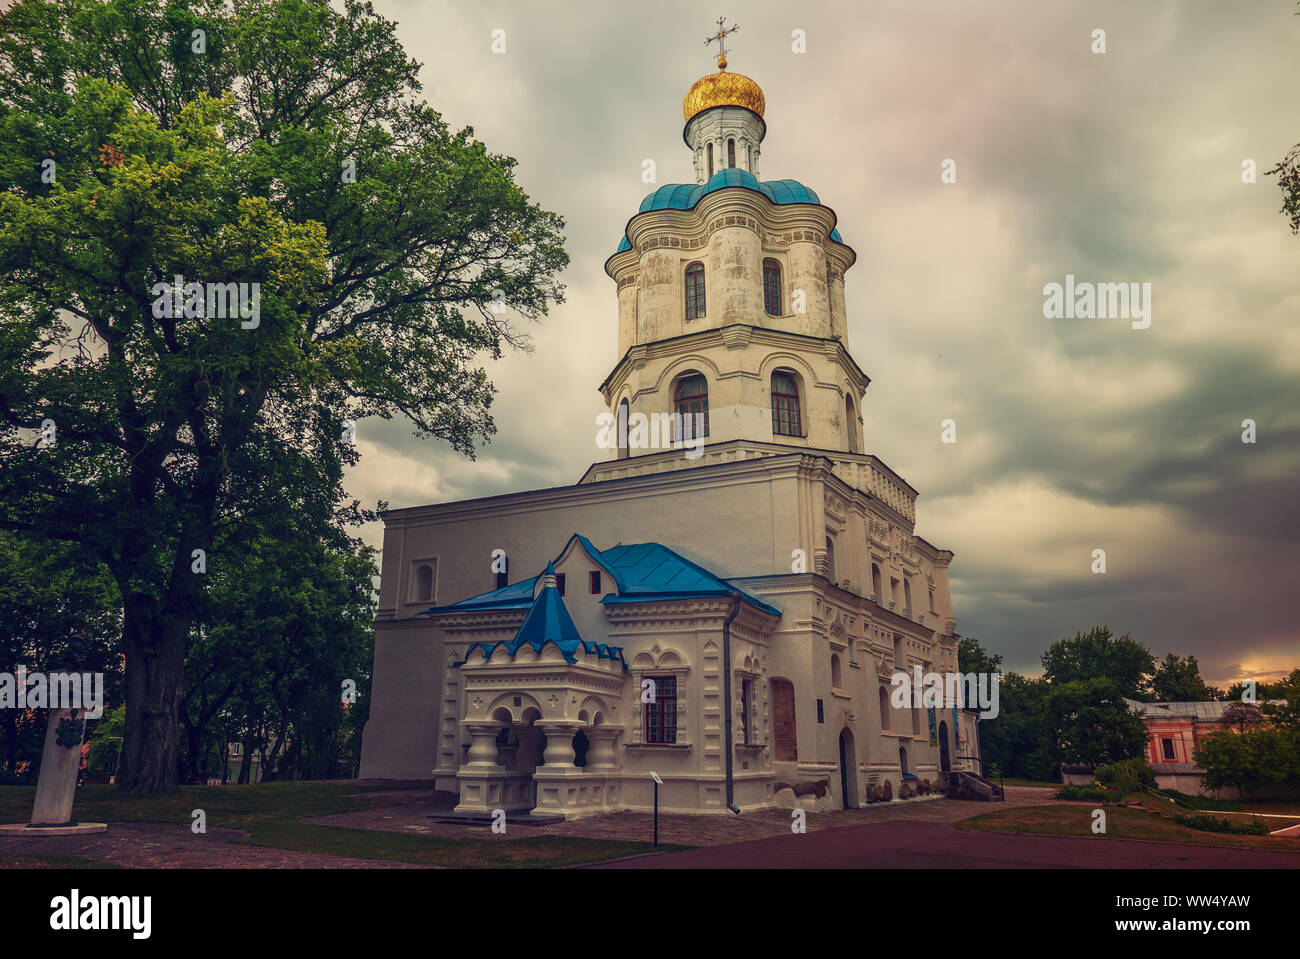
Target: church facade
<point>722,601</point>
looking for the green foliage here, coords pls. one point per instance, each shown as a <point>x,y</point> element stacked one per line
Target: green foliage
<point>1127,776</point>
<point>59,611</point>
<point>1286,713</point>
<point>1094,724</point>
<point>1204,803</point>
<point>1241,715</point>
<point>1177,679</point>
<point>1287,172</point>
<point>1020,741</point>
<point>376,296</point>
<point>105,744</point>
<point>1236,825</point>
<point>1257,761</point>
<point>1088,793</point>
<point>1097,654</point>
<point>282,700</point>
<point>974,658</point>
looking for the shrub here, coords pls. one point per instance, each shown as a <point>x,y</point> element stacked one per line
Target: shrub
<point>1127,776</point>
<point>1209,823</point>
<point>1089,793</point>
<point>1203,803</point>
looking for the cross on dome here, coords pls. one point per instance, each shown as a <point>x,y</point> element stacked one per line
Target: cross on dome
<point>720,36</point>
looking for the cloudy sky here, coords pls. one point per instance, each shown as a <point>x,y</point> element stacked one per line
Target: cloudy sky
<point>1072,434</point>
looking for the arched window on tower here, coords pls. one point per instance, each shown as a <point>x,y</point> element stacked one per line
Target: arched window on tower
<point>837,677</point>
<point>695,291</point>
<point>731,153</point>
<point>785,404</point>
<point>830,558</point>
<point>772,287</point>
<point>875,582</point>
<point>907,595</point>
<point>621,426</point>
<point>690,399</point>
<point>851,424</point>
<point>709,152</point>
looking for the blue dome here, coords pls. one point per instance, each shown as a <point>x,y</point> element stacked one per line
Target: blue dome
<point>684,196</point>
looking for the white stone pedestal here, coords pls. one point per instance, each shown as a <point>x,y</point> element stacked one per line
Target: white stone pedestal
<point>56,786</point>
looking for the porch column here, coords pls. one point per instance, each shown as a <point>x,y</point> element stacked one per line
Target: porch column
<point>560,787</point>
<point>481,778</point>
<point>602,756</point>
<point>559,742</point>
<point>483,744</point>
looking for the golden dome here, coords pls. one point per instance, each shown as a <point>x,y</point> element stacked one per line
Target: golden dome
<point>723,89</point>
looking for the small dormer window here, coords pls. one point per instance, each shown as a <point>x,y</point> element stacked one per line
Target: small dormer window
<point>559,583</point>
<point>595,582</point>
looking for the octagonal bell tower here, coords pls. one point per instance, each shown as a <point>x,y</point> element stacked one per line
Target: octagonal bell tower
<point>731,295</point>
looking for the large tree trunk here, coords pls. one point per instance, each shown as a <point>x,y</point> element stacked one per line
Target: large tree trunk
<point>155,681</point>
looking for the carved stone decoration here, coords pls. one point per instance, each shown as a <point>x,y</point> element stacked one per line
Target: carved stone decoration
<point>835,506</point>
<point>70,731</point>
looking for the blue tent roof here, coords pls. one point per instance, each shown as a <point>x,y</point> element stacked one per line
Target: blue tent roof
<point>515,596</point>
<point>684,196</point>
<point>641,572</point>
<point>548,622</point>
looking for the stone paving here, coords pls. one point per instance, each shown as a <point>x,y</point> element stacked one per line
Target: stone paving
<point>678,829</point>
<point>407,810</point>
<point>930,845</point>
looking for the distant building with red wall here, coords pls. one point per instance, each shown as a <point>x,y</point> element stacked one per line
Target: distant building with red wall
<point>1174,730</point>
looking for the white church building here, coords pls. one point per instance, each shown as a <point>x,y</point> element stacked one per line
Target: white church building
<point>725,614</point>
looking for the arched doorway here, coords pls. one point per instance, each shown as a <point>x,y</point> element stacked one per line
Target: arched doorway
<point>848,770</point>
<point>945,763</point>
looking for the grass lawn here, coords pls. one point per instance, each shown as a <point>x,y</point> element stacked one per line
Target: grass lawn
<point>270,812</point>
<point>1122,822</point>
<point>1271,808</point>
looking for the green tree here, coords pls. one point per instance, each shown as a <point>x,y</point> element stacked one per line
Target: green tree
<point>1099,654</point>
<point>267,667</point>
<point>1283,707</point>
<point>1257,761</point>
<point>106,744</point>
<point>1178,679</point>
<point>1241,715</point>
<point>974,658</point>
<point>1287,172</point>
<point>1021,741</point>
<point>58,612</point>
<point>231,161</point>
<point>1093,724</point>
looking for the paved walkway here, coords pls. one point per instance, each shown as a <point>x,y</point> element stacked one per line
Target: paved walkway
<point>921,845</point>
<point>914,833</point>
<point>674,829</point>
